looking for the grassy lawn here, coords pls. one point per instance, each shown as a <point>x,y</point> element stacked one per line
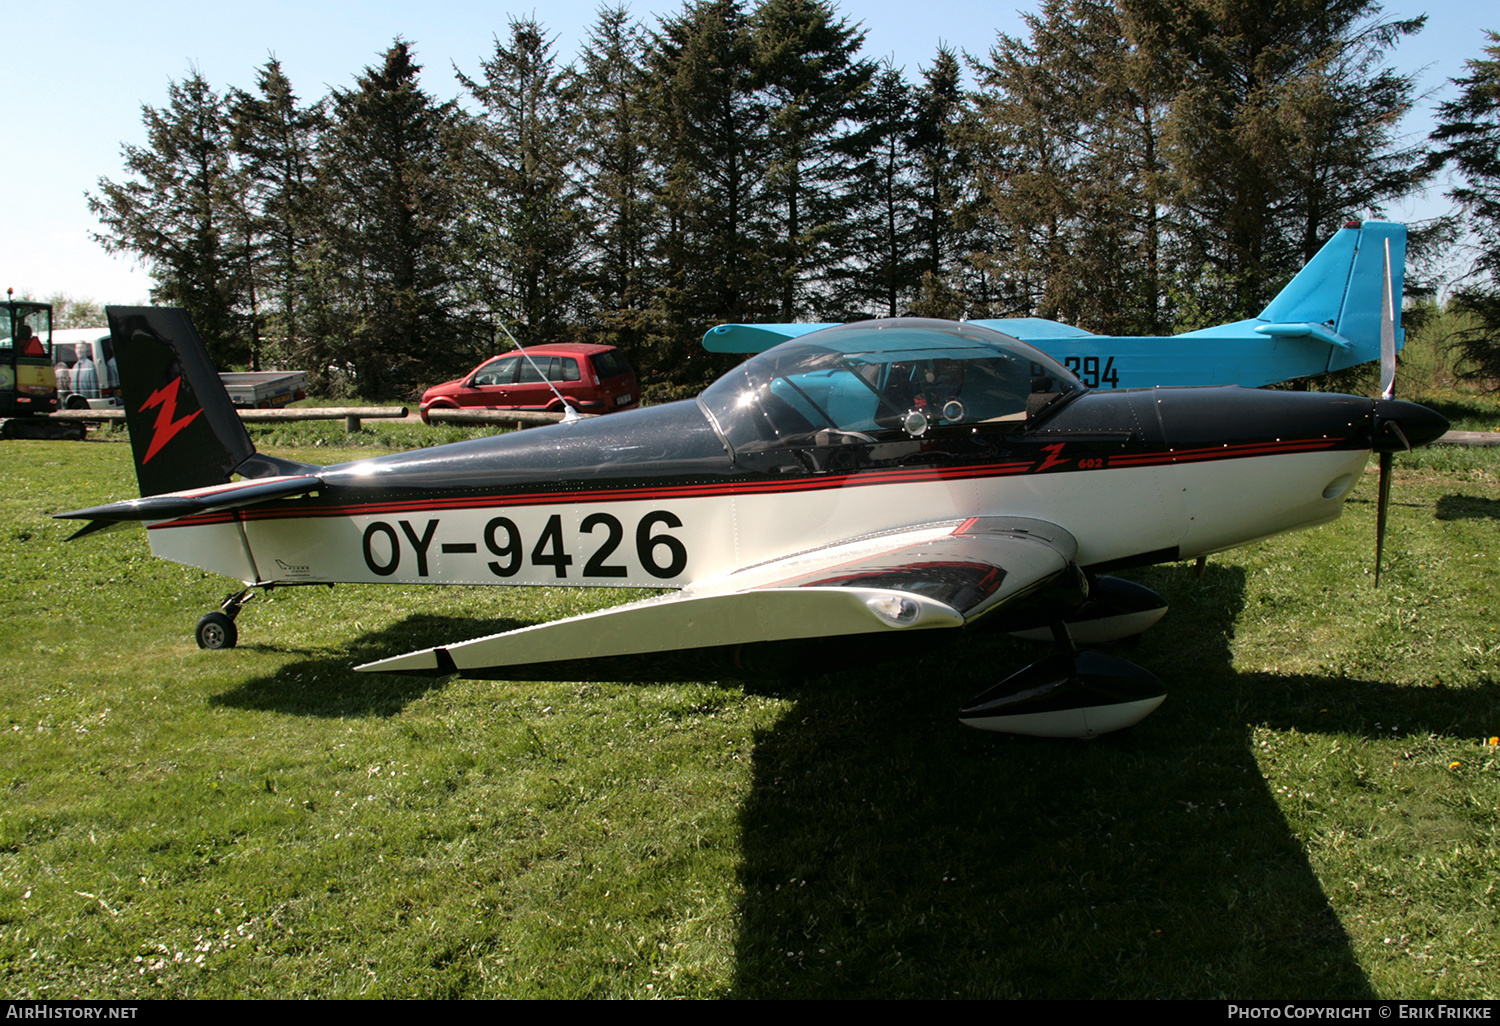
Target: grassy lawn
<point>1312,813</point>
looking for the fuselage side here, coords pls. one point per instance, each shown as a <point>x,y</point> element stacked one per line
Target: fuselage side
<point>657,498</point>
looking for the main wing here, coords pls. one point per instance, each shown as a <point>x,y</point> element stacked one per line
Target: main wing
<point>786,614</point>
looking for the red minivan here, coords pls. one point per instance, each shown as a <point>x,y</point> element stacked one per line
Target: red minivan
<point>593,379</point>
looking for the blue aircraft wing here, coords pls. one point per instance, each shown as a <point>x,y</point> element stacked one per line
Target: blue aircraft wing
<point>1327,318</point>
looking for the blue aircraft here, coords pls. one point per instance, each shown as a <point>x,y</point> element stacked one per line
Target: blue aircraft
<point>1328,317</point>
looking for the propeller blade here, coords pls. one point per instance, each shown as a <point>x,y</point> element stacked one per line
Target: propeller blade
<point>1387,332</point>
<point>1382,505</point>
<point>1392,425</point>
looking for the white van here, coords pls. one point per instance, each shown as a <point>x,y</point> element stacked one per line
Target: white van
<point>87,378</point>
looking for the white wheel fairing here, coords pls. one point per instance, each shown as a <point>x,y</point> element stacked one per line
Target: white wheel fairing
<point>1083,723</point>
<point>1100,631</point>
<point>1067,695</point>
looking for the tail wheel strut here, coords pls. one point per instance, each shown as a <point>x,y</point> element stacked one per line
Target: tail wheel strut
<point>216,630</point>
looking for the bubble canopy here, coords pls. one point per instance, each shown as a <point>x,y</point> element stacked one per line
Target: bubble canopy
<point>884,380</point>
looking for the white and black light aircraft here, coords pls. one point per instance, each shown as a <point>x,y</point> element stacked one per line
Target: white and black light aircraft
<point>860,492</point>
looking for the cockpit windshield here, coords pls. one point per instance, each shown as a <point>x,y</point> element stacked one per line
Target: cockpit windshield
<point>878,380</point>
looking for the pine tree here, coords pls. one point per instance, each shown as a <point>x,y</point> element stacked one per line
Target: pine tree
<point>942,161</point>
<point>808,68</point>
<point>276,138</point>
<point>1027,150</point>
<point>1469,136</point>
<point>181,214</point>
<point>877,271</point>
<point>389,170</point>
<point>712,141</point>
<point>524,215</point>
<point>1067,145</point>
<point>1281,128</point>
<point>1115,265</point>
<point>618,177</point>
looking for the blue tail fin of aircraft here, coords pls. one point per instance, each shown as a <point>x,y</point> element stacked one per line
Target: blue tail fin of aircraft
<point>1326,319</point>
<point>1341,287</point>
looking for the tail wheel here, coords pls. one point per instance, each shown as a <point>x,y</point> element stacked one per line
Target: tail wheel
<point>216,631</point>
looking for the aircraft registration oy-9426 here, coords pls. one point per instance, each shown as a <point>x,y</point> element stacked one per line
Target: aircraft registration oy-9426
<point>856,493</point>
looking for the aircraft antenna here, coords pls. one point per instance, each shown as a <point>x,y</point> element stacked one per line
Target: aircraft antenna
<point>570,415</point>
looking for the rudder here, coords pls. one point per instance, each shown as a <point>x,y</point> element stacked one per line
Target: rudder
<point>1340,290</point>
<point>184,431</point>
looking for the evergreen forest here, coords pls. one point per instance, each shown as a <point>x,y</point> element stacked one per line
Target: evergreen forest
<point>1129,166</point>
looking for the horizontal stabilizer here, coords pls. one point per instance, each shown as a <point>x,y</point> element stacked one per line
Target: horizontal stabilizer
<point>171,505</point>
<point>1306,329</point>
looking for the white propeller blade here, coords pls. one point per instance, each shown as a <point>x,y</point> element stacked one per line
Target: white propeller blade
<point>1387,332</point>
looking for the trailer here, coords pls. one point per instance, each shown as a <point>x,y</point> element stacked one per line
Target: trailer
<point>264,390</point>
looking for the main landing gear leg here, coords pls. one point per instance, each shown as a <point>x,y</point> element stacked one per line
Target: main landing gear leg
<point>217,630</point>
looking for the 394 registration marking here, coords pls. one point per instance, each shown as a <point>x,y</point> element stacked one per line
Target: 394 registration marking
<point>1092,373</point>
<point>600,535</point>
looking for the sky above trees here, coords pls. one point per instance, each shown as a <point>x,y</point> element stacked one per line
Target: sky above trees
<point>84,70</point>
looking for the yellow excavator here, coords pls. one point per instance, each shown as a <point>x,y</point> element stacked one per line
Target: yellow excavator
<point>28,382</point>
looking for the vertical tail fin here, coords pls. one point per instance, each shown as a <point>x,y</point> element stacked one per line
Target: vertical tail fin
<point>1340,291</point>
<point>184,430</point>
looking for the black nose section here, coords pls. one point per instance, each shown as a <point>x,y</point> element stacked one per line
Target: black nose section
<point>1401,425</point>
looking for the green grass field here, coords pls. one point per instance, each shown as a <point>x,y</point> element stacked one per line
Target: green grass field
<point>1314,812</point>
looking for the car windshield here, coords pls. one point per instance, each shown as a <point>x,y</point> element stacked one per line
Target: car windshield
<point>878,380</point>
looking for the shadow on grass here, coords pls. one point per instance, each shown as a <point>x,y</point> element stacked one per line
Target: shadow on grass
<point>1467,507</point>
<point>329,686</point>
<point>891,852</point>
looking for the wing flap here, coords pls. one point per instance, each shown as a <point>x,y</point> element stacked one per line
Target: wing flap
<point>938,575</point>
<point>671,623</point>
